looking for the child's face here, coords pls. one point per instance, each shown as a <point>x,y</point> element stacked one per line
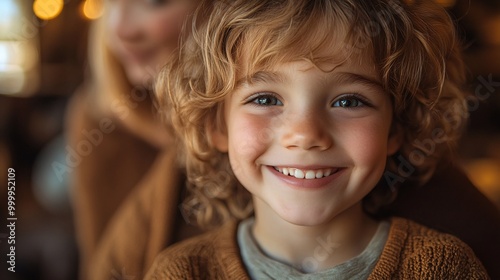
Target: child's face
<point>332,128</point>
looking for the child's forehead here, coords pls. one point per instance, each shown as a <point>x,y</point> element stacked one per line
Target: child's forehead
<point>325,47</point>
<point>335,58</point>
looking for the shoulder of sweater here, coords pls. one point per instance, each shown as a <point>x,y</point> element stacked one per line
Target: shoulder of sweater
<point>196,255</point>
<point>435,253</point>
<point>426,237</point>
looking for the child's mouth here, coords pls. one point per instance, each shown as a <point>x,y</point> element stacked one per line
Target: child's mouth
<point>306,174</point>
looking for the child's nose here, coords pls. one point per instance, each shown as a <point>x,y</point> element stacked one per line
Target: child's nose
<point>306,131</point>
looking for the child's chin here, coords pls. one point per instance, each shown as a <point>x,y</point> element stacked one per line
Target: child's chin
<point>305,218</point>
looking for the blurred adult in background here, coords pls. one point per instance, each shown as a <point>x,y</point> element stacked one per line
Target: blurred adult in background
<point>127,187</point>
<point>121,158</point>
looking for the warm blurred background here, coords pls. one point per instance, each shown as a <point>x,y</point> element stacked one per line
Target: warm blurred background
<point>43,61</point>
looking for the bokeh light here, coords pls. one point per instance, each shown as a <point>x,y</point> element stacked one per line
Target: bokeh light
<point>47,9</point>
<point>19,49</point>
<point>9,12</point>
<point>484,174</point>
<point>92,9</point>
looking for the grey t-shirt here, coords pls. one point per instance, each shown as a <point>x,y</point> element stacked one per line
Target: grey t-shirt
<point>261,266</point>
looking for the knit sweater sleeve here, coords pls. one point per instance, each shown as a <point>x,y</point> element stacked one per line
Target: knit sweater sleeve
<point>213,255</point>
<point>467,266</point>
<point>447,258</point>
<point>186,260</point>
<point>169,267</point>
<point>416,252</point>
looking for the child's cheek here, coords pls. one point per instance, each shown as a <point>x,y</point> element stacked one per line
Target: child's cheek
<point>367,144</point>
<point>249,137</point>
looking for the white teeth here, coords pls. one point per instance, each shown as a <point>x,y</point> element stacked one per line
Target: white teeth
<point>310,174</point>
<point>307,174</point>
<point>299,174</point>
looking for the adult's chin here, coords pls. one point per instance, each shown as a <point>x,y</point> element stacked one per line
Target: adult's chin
<point>140,75</point>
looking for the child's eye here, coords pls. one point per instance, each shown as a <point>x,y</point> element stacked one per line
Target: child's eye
<point>266,100</point>
<point>349,102</point>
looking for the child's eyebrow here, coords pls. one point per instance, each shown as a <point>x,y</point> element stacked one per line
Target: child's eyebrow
<point>279,78</point>
<point>262,77</point>
<point>352,78</point>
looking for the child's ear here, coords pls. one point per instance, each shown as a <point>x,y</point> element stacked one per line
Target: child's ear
<point>217,137</point>
<point>219,140</point>
<point>395,139</point>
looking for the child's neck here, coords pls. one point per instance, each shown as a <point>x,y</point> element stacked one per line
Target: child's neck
<point>314,248</point>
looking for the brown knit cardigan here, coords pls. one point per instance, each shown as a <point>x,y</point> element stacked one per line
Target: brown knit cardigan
<point>412,251</point>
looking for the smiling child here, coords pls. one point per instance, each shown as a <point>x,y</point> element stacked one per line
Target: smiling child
<point>293,115</point>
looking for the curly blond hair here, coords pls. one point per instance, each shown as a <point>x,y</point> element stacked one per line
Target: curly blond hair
<point>414,47</point>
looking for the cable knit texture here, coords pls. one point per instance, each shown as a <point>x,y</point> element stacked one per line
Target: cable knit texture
<point>412,251</point>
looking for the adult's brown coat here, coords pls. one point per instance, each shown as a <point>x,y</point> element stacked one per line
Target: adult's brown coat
<point>125,190</point>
